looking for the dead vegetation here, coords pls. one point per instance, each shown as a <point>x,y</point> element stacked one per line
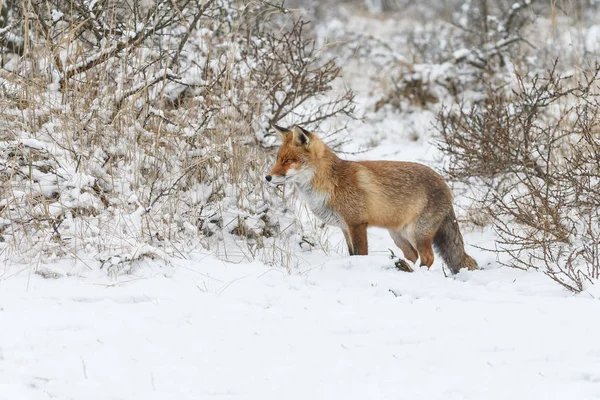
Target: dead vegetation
<point>533,154</point>
<point>132,123</point>
<point>462,56</point>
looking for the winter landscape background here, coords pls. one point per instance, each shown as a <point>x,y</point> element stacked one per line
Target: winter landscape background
<point>142,256</point>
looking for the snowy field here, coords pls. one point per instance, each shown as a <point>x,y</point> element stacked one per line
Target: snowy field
<point>344,328</point>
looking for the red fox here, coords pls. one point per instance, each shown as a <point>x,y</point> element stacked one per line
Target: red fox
<point>410,200</point>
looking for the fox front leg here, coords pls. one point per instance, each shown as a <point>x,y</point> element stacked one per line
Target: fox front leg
<point>348,242</point>
<point>358,239</point>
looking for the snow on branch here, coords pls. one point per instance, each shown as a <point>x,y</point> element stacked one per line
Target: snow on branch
<point>479,58</point>
<point>121,95</point>
<point>134,39</point>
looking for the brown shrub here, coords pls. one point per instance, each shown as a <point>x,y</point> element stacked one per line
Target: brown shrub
<point>535,153</point>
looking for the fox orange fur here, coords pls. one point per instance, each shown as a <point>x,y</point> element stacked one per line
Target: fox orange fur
<point>410,200</point>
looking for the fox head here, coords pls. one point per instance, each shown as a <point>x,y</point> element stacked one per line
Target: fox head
<point>297,157</point>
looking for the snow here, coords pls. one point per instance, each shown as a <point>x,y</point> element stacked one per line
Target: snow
<point>351,328</point>
<point>592,39</point>
<point>56,15</point>
<point>34,144</point>
<point>461,53</point>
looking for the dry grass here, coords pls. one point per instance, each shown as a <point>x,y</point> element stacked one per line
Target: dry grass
<point>128,124</point>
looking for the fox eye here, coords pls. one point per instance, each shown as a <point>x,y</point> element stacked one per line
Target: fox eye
<point>289,160</point>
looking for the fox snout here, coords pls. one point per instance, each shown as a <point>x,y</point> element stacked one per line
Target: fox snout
<point>274,179</point>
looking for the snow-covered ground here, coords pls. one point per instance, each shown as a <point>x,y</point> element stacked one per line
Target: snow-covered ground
<point>341,328</point>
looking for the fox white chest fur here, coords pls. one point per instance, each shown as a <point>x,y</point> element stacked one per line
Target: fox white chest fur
<point>318,204</point>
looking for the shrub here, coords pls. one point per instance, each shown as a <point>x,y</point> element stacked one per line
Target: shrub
<point>135,124</point>
<point>534,156</point>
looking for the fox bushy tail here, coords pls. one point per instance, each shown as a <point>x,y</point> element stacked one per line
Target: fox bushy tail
<point>449,244</point>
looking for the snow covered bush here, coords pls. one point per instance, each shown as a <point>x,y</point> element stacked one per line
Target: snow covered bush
<point>458,58</point>
<point>145,125</point>
<point>532,160</point>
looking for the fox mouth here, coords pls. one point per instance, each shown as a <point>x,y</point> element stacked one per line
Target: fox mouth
<point>277,181</point>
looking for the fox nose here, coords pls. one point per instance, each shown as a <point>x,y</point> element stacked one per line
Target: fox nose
<point>268,178</point>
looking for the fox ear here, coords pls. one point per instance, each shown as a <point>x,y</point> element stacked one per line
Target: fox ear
<point>302,137</point>
<point>282,132</point>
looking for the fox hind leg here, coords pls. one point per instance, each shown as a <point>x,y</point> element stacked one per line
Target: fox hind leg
<point>425,249</point>
<point>425,229</point>
<point>409,251</point>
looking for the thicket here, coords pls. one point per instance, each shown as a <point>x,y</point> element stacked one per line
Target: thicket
<point>133,128</point>
<point>522,134</point>
<point>532,158</point>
